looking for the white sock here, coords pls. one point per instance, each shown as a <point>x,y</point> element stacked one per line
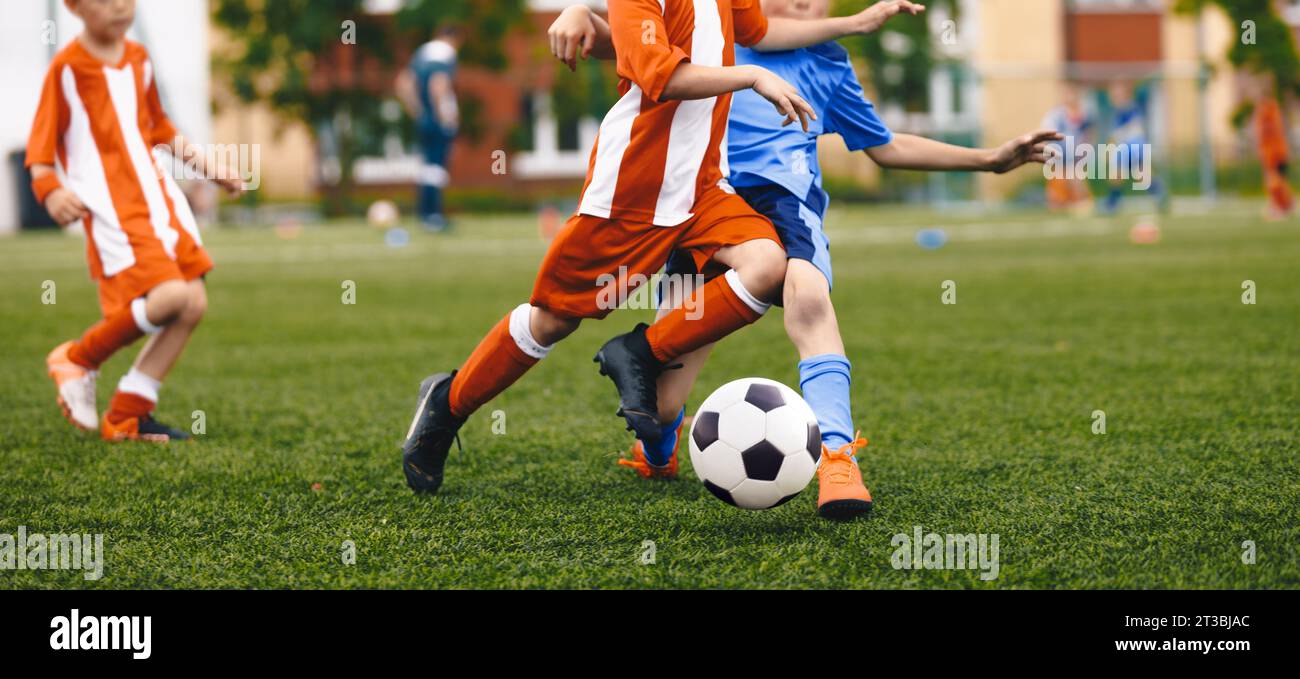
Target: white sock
<point>140,384</point>
<point>142,318</point>
<point>733,279</point>
<point>521,330</point>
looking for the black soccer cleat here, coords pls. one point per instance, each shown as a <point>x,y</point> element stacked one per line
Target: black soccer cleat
<point>428,441</point>
<point>152,427</point>
<point>628,360</point>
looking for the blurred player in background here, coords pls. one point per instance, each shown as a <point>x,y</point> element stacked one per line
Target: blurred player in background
<point>1073,119</point>
<point>426,89</point>
<point>99,119</point>
<point>1130,130</point>
<point>1274,154</point>
<point>775,169</point>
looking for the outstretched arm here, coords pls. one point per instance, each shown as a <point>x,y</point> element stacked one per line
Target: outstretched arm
<point>910,152</point>
<point>788,34</point>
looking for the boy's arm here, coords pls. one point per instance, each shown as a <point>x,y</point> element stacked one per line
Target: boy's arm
<point>690,81</point>
<point>664,72</point>
<point>404,88</point>
<point>787,34</point>
<point>164,133</point>
<point>581,33</point>
<point>49,125</point>
<point>910,152</point>
<point>196,156</point>
<point>443,93</point>
<point>62,204</point>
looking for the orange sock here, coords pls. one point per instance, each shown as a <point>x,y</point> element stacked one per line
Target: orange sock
<point>497,362</point>
<point>126,405</point>
<point>724,307</point>
<point>1279,192</point>
<point>104,338</point>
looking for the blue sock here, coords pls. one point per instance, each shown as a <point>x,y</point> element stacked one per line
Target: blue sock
<point>1112,199</point>
<point>825,381</point>
<point>660,453</point>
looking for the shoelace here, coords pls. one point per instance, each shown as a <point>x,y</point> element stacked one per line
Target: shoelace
<point>846,451</point>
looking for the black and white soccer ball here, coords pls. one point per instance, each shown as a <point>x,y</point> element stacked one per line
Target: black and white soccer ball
<point>755,443</point>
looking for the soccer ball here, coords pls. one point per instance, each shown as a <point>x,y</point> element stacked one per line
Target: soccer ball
<point>383,214</point>
<point>755,443</point>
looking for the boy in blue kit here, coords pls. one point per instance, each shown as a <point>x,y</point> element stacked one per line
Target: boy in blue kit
<point>775,169</point>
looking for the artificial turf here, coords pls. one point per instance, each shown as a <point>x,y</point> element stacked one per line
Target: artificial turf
<point>980,416</point>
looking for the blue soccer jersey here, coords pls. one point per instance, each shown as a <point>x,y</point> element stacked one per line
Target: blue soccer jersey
<point>432,59</point>
<point>761,152</point>
<point>775,168</point>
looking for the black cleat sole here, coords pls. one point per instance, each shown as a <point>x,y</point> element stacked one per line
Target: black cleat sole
<point>844,510</point>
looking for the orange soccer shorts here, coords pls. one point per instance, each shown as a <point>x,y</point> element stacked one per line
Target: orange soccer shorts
<point>152,267</point>
<point>588,248</point>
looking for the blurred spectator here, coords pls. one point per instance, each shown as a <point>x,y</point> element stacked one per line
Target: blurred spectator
<point>1270,136</point>
<point>425,87</point>
<point>1074,119</point>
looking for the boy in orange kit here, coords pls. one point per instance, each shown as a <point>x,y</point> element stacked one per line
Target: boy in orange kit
<point>656,183</point>
<point>1274,155</point>
<point>99,119</point>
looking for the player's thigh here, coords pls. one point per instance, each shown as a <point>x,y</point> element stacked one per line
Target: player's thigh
<point>727,233</point>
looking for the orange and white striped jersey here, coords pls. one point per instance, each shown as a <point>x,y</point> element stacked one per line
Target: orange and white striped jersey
<point>653,159</point>
<point>100,123</point>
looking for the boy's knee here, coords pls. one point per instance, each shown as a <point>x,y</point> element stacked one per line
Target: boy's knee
<point>807,305</point>
<point>196,307</point>
<point>549,328</point>
<point>763,268</point>
<point>166,302</point>
<point>807,298</point>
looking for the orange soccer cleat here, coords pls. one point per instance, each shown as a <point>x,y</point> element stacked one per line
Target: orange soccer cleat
<point>643,467</point>
<point>76,388</point>
<point>143,428</point>
<point>841,494</point>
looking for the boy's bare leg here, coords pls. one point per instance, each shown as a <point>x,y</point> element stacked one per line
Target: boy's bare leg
<point>824,379</point>
<point>162,350</point>
<point>809,314</point>
<point>174,309</point>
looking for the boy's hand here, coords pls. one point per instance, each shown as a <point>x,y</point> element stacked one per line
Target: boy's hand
<point>1028,148</point>
<point>233,185</point>
<point>64,206</point>
<point>872,18</point>
<point>784,97</point>
<point>572,35</point>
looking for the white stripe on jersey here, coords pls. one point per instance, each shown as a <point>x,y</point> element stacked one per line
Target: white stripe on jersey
<point>612,142</point>
<point>86,179</point>
<point>122,92</point>
<point>180,204</point>
<point>692,127</point>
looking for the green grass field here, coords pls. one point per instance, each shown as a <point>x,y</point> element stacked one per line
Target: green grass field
<point>980,416</point>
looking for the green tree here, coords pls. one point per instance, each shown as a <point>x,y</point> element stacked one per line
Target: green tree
<point>328,63</point>
<point>1264,42</point>
<point>900,56</point>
